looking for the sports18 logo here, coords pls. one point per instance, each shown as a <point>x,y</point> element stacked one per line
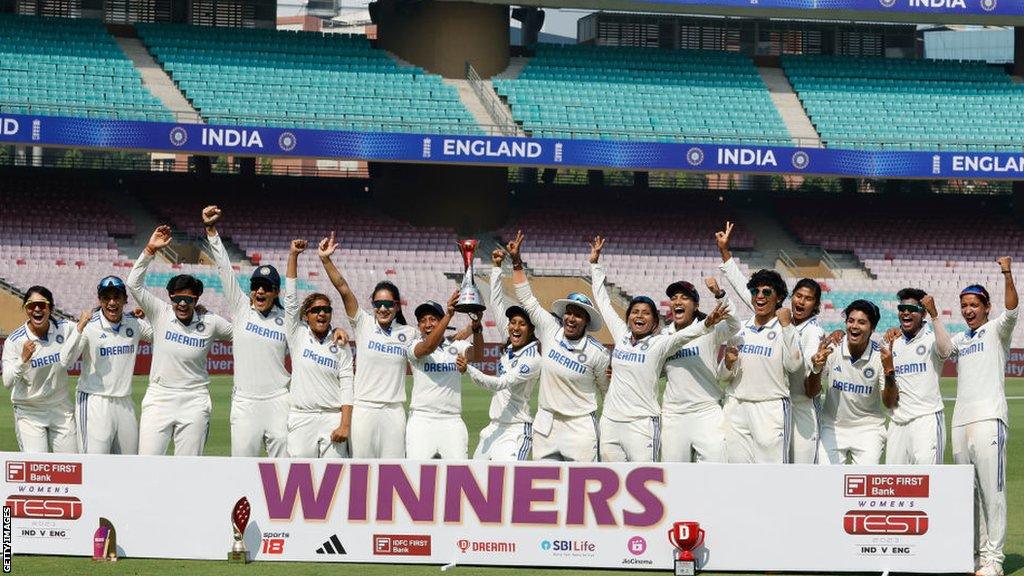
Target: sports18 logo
<point>905,522</point>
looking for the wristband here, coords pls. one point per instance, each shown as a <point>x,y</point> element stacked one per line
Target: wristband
<point>1005,271</point>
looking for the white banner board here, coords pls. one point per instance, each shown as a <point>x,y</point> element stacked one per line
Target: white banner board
<point>756,517</point>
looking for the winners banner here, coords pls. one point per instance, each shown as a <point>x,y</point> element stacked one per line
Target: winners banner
<point>755,517</point>
<point>503,151</point>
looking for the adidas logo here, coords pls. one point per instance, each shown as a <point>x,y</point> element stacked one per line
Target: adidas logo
<point>332,546</point>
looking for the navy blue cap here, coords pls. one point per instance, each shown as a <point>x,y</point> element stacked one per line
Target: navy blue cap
<point>268,274</point>
<point>514,310</point>
<point>685,288</point>
<point>111,283</point>
<point>429,307</point>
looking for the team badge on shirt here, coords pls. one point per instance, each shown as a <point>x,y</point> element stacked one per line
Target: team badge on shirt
<point>60,339</point>
<point>279,321</point>
<point>453,351</point>
<point>981,333</point>
<point>644,346</point>
<point>582,358</point>
<point>869,373</point>
<point>921,350</point>
<point>772,335</point>
<point>333,348</point>
<point>200,327</point>
<point>401,337</point>
<point>129,332</point>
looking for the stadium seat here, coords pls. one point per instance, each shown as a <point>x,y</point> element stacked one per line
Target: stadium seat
<point>303,80</point>
<point>639,94</point>
<point>909,104</point>
<point>70,67</point>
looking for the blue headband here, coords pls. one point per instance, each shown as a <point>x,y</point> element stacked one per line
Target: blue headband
<point>977,290</point>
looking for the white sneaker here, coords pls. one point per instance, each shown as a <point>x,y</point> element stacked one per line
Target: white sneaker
<point>990,569</point>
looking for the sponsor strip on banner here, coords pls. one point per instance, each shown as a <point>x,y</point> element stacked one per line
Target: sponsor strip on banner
<point>601,515</point>
<point>502,151</point>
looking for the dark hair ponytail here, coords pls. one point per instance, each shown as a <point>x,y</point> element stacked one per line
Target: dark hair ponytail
<point>395,294</point>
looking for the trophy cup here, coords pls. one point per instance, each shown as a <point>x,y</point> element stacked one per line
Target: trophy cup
<point>686,537</point>
<point>239,520</point>
<point>104,542</point>
<point>470,302</point>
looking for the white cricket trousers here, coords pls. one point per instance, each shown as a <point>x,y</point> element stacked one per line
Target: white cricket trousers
<point>505,442</point>
<point>920,441</point>
<point>634,441</point>
<point>309,435</point>
<point>183,415</point>
<point>693,436</point>
<point>853,444</point>
<point>571,438</point>
<point>378,431</point>
<point>757,432</point>
<point>983,444</point>
<point>37,428</point>
<point>806,433</point>
<point>435,435</point>
<point>255,423</point>
<point>106,424</point>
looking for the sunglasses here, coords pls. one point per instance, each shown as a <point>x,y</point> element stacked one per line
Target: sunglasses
<point>183,299</point>
<point>267,286</point>
<point>319,309</point>
<point>37,305</point>
<point>910,308</point>
<point>766,292</point>
<point>386,304</point>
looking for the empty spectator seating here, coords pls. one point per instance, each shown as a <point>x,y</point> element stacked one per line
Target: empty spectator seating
<point>302,79</point>
<point>871,103</point>
<point>69,67</point>
<point>636,94</point>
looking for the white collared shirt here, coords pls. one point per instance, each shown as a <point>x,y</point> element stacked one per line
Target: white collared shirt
<point>981,370</point>
<point>108,353</point>
<point>43,380</point>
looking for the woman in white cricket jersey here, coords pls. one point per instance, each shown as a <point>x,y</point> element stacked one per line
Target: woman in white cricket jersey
<point>320,421</point>
<point>858,378</point>
<point>378,414</point>
<point>436,428</point>
<point>917,428</point>
<point>36,372</point>
<point>509,435</point>
<point>804,304</point>
<point>573,371</point>
<point>108,344</point>
<point>177,402</point>
<point>980,414</point>
<point>259,398</point>
<point>630,425</point>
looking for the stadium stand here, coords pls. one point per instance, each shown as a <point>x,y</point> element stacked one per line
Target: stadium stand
<point>69,67</point>
<point>638,94</point>
<point>303,80</point>
<point>916,104</point>
<point>935,247</point>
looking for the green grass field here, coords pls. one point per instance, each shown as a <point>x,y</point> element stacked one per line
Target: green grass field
<point>475,403</point>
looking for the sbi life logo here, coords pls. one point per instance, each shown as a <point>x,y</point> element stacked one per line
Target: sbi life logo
<point>545,545</point>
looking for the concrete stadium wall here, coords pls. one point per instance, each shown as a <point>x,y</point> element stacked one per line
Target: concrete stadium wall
<point>11,314</point>
<point>442,36</point>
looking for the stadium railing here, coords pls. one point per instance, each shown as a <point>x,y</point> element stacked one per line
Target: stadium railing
<point>495,109</point>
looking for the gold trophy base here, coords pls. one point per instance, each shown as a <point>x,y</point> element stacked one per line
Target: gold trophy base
<point>239,557</point>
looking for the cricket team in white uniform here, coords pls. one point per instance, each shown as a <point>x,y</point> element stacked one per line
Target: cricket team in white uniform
<point>782,392</point>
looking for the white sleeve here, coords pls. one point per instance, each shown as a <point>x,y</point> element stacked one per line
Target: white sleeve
<point>151,305</point>
<point>14,369</point>
<point>808,347</point>
<point>730,326</point>
<point>498,303</point>
<point>346,378</point>
<point>232,292</point>
<point>292,320</point>
<point>681,338</point>
<point>74,341</point>
<point>145,329</point>
<point>737,281</point>
<point>461,346</point>
<point>221,327</point>
<point>601,377</point>
<point>547,326</point>
<point>521,375</point>
<point>615,323</point>
<point>943,342</point>
<point>1005,323</point>
<point>793,361</point>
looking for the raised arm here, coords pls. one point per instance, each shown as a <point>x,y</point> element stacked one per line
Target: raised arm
<point>890,391</point>
<point>150,304</point>
<point>237,301</point>
<point>326,248</point>
<point>1008,285</point>
<point>812,385</point>
<point>546,326</point>
<point>793,361</point>
<point>75,340</point>
<point>616,325</point>
<point>498,301</point>
<point>291,275</point>
<point>427,345</point>
<point>526,371</point>
<point>730,268</point>
<point>943,342</point>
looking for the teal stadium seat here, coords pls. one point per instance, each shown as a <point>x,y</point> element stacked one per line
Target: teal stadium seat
<point>840,299</point>
<point>70,67</point>
<point>890,103</point>
<point>293,79</point>
<point>642,94</point>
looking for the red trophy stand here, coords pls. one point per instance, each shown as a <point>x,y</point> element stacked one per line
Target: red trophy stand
<point>686,537</point>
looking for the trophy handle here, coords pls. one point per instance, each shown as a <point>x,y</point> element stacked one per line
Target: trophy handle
<point>700,538</point>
